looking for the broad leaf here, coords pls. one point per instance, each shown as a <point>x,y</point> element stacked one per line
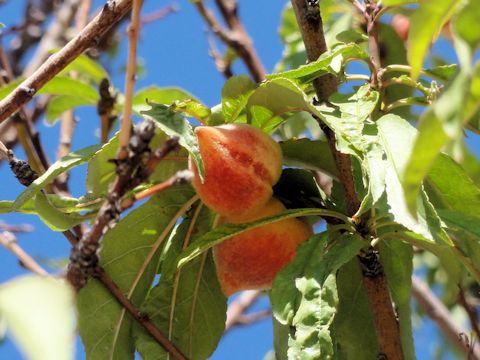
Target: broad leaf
<point>426,23</point>
<point>85,66</point>
<point>176,125</point>
<point>465,21</point>
<point>187,305</point>
<point>54,218</point>
<point>235,95</point>
<point>441,123</point>
<point>64,164</point>
<point>39,313</point>
<point>130,255</point>
<point>59,104</point>
<point>224,232</point>
<point>154,94</point>
<point>353,327</point>
<point>309,154</point>
<point>453,189</point>
<point>304,294</point>
<point>397,261</point>
<point>329,62</point>
<point>63,85</point>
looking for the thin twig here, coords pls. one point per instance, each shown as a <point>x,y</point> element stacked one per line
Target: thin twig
<point>236,37</point>
<point>237,308</point>
<point>133,31</point>
<point>179,177</point>
<point>140,317</point>
<point>440,314</point>
<point>160,14</point>
<point>8,240</point>
<point>472,313</point>
<point>112,12</point>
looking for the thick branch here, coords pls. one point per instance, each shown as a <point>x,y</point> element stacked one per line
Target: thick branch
<point>112,12</point>
<point>386,325</point>
<point>440,314</point>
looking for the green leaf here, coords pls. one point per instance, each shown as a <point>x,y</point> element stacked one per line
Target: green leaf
<point>176,125</point>
<point>309,154</point>
<point>224,232</point>
<point>442,122</point>
<point>7,89</point>
<point>297,188</point>
<point>304,294</point>
<point>188,306</point>
<point>398,2</point>
<point>466,21</point>
<point>331,62</point>
<point>54,218</point>
<point>353,327</point>
<point>39,315</point>
<point>63,203</point>
<point>449,183</point>
<point>155,94</point>
<point>59,104</point>
<point>192,108</point>
<point>130,255</point>
<point>425,24</point>
<point>87,67</point>
<point>63,85</point>
<point>235,95</point>
<point>62,165</point>
<point>101,171</point>
<point>467,238</point>
<point>395,133</point>
<point>397,261</point>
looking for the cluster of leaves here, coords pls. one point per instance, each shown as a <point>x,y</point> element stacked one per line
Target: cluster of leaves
<point>408,179</point>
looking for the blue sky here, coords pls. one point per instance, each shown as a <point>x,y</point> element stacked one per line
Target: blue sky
<point>175,53</point>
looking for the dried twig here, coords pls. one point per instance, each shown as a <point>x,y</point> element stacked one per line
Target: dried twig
<point>235,37</point>
<point>160,14</point>
<point>112,12</point>
<point>133,31</point>
<point>8,240</point>
<point>440,314</point>
<point>236,310</point>
<point>472,313</point>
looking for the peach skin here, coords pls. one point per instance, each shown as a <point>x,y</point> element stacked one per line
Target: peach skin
<point>252,259</point>
<point>242,163</point>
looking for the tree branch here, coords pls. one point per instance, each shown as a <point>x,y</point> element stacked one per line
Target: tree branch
<point>386,325</point>
<point>237,308</point>
<point>236,37</point>
<point>112,12</point>
<point>440,314</point>
<point>8,240</point>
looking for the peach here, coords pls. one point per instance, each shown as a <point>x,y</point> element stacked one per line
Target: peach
<point>242,163</point>
<point>252,259</point>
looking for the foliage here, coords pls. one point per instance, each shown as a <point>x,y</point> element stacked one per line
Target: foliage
<point>416,183</point>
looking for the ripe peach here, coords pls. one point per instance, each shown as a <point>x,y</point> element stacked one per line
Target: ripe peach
<point>242,163</point>
<point>401,24</point>
<point>252,259</point>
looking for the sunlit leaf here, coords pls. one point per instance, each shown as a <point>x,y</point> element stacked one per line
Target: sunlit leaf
<point>39,313</point>
<point>235,94</point>
<point>59,104</point>
<point>425,24</point>
<point>54,218</point>
<point>130,255</point>
<point>188,305</point>
<point>304,294</point>
<point>176,125</point>
<point>224,232</point>
<point>64,85</point>
<point>64,164</point>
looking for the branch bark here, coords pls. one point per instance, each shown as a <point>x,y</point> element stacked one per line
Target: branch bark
<point>111,13</point>
<point>235,37</point>
<point>386,325</point>
<point>440,314</point>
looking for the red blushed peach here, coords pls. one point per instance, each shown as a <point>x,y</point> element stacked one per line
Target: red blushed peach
<point>242,163</point>
<point>252,259</point>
